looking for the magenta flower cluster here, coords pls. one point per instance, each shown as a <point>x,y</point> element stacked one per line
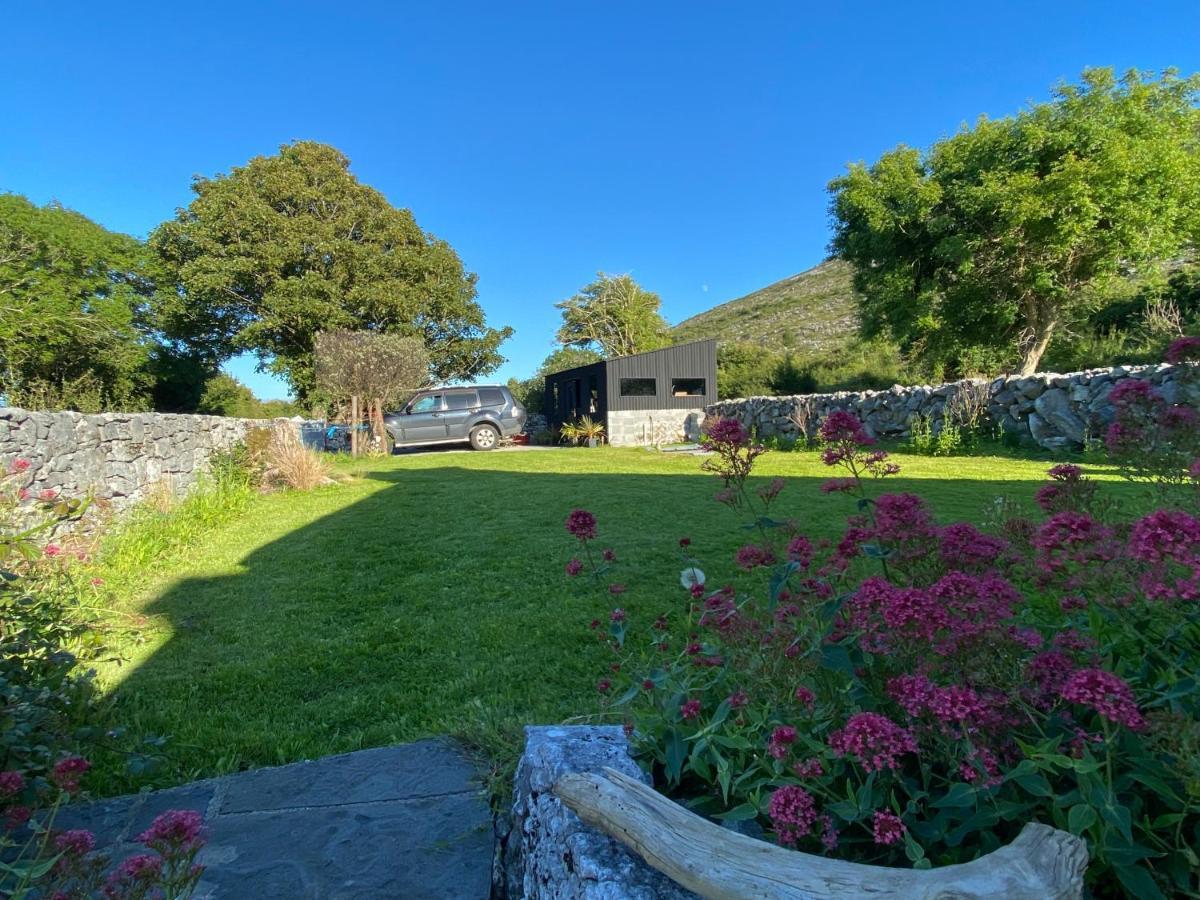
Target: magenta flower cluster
<point>874,740</point>
<point>793,813</point>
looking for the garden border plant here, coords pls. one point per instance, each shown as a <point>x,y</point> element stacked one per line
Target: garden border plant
<point>915,692</point>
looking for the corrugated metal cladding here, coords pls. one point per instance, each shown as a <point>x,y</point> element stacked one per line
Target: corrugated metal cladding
<point>596,388</point>
<point>668,367</point>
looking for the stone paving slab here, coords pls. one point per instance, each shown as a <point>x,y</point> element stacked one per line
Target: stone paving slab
<point>406,822</point>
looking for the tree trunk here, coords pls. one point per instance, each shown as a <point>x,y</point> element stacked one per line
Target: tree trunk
<point>1043,863</point>
<point>1041,320</point>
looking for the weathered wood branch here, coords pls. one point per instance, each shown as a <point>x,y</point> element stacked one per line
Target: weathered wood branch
<point>1043,863</point>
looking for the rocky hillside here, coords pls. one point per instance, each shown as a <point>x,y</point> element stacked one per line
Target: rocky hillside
<point>812,312</point>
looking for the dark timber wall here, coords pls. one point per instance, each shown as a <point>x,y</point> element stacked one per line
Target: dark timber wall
<point>596,389</point>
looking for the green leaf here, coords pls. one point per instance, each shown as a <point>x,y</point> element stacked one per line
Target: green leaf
<point>676,754</point>
<point>741,813</point>
<point>1080,818</point>
<point>1138,882</point>
<point>959,795</point>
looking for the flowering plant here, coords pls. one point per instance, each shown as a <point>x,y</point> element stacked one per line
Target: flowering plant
<point>1153,438</point>
<point>916,692</point>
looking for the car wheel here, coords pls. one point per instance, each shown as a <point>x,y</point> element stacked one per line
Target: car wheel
<point>484,437</point>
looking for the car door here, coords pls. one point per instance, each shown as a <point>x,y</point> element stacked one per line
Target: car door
<point>422,421</point>
<point>461,406</point>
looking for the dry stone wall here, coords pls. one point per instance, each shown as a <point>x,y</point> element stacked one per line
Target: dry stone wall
<point>1053,411</point>
<point>116,456</point>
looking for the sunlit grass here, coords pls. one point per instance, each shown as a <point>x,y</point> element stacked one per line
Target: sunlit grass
<point>425,595</point>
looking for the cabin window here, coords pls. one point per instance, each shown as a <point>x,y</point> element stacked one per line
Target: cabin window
<point>638,387</point>
<point>687,387</point>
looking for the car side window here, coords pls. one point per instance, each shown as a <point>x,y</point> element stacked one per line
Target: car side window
<point>491,397</point>
<point>428,403</point>
<point>461,400</point>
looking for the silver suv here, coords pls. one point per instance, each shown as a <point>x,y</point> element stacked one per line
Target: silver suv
<point>482,415</point>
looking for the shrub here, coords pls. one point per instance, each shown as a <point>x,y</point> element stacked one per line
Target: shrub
<point>291,463</point>
<point>916,692</point>
<point>1154,440</point>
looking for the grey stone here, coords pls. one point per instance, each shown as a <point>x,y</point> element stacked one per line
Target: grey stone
<point>550,853</point>
<point>1056,411</point>
<point>389,836</point>
<point>425,769</point>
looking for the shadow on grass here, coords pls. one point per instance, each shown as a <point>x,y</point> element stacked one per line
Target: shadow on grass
<point>437,604</point>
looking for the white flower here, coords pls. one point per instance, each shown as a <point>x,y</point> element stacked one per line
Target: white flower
<point>689,578</point>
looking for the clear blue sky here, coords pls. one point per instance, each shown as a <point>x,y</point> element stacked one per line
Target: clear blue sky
<point>688,143</point>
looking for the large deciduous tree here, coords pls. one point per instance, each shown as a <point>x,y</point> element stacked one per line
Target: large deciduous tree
<point>615,315</point>
<point>291,245</point>
<point>77,310</point>
<point>992,242</point>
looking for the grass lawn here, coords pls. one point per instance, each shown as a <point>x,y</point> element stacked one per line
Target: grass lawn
<point>425,595</point>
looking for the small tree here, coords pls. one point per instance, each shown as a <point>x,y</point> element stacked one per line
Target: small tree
<point>615,314</point>
<point>366,367</point>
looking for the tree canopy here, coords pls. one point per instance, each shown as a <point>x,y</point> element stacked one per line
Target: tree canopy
<point>290,245</point>
<point>981,250</point>
<point>77,310</point>
<point>614,315</point>
<point>383,367</point>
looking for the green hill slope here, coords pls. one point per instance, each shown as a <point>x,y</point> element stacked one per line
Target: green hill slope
<point>813,312</point>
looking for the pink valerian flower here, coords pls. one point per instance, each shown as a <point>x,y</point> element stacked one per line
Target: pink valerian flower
<point>574,567</point>
<point>838,485</point>
<point>770,491</point>
<point>809,768</point>
<point>647,684</point>
<point>1106,693</point>
<point>1169,541</point>
<point>964,547</point>
<point>751,556</point>
<point>66,773</point>
<point>737,699</point>
<point>76,842</point>
<point>805,696</point>
<point>176,830</point>
<point>800,550</point>
<point>689,709</point>
<point>616,588</point>
<point>48,495</point>
<point>685,542</point>
<point>1166,534</point>
<point>829,834</point>
<point>23,494</point>
<point>1072,537</point>
<point>581,524</point>
<point>617,615</point>
<point>956,704</point>
<point>52,550</point>
<point>11,782</point>
<point>793,813</point>
<point>1133,392</point>
<point>609,554</point>
<point>16,816</point>
<point>603,685</point>
<point>135,876</point>
<point>1046,673</point>
<point>1183,350</point>
<point>17,466</point>
<point>981,758</point>
<point>911,692</point>
<point>727,431</point>
<point>841,427</point>
<point>887,827</point>
<point>781,741</point>
<point>876,741</point>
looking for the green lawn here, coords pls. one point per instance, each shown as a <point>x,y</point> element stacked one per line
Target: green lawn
<point>425,595</point>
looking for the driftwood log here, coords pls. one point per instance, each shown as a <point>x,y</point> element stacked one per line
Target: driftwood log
<point>1043,863</point>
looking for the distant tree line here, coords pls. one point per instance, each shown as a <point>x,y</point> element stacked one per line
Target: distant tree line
<point>262,260</point>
